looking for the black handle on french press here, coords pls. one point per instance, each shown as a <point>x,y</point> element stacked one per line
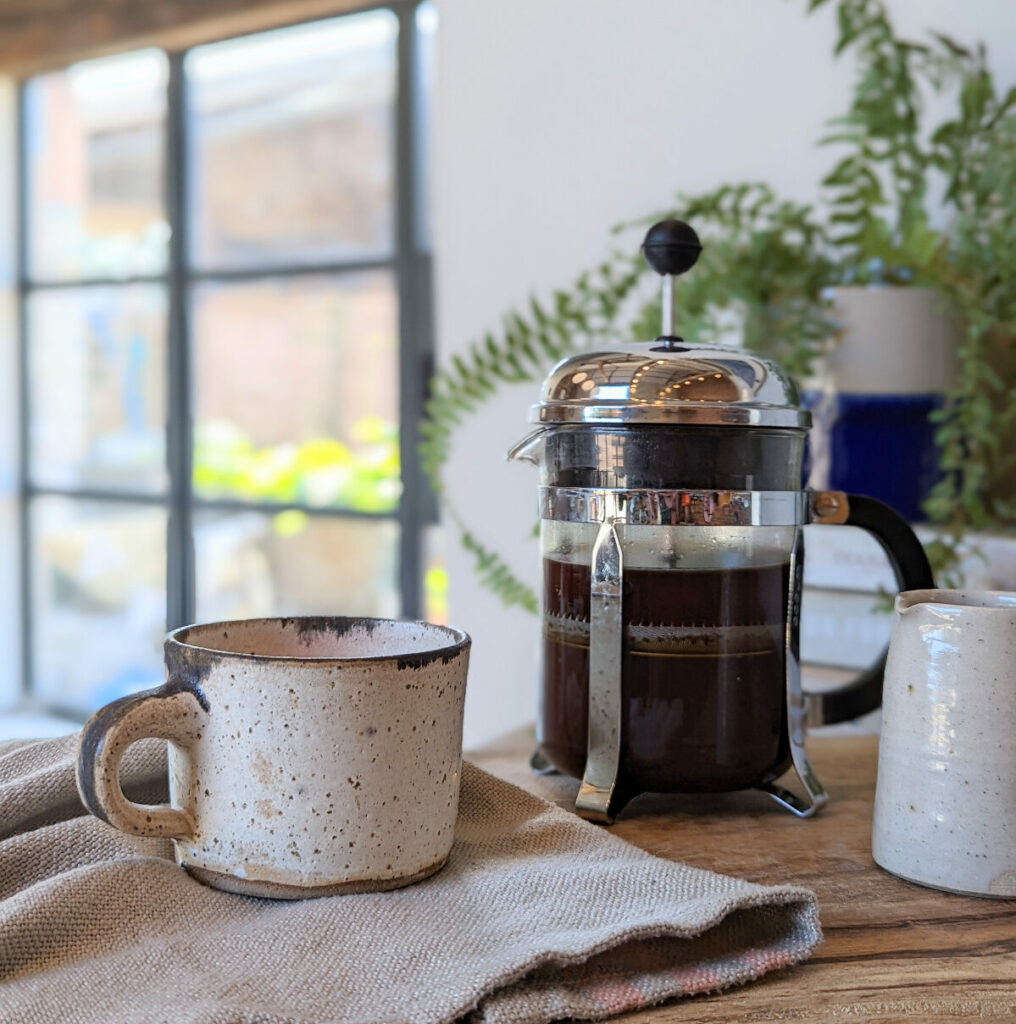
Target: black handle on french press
<point>910,566</point>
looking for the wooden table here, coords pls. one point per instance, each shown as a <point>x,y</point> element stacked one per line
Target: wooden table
<point>892,950</point>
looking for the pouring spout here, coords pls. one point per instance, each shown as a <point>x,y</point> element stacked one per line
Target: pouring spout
<point>910,600</point>
<point>529,449</point>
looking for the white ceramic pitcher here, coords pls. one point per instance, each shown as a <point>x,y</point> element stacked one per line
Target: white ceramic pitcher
<point>945,804</point>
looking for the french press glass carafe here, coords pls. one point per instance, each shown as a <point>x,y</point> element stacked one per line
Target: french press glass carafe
<point>671,510</point>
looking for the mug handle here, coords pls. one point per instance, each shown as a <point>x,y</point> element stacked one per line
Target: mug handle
<point>170,712</point>
<point>910,566</point>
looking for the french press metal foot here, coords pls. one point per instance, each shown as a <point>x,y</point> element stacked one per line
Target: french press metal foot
<point>599,797</point>
<point>816,796</point>
<point>540,764</point>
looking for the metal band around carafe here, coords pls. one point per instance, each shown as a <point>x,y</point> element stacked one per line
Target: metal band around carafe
<point>674,507</point>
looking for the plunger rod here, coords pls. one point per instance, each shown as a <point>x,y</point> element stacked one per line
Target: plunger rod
<point>667,306</point>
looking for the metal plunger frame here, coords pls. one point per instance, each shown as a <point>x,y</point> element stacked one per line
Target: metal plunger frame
<point>600,796</point>
<point>671,248</point>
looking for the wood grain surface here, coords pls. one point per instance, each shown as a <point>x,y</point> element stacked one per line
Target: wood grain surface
<point>893,951</point>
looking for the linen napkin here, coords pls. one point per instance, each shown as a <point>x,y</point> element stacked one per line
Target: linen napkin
<point>538,916</point>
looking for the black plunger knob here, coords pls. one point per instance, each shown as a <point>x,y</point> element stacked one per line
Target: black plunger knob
<point>671,247</point>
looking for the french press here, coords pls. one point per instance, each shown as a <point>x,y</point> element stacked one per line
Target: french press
<point>671,514</point>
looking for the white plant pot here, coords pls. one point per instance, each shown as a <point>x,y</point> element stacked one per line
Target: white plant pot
<point>874,392</point>
<point>893,340</point>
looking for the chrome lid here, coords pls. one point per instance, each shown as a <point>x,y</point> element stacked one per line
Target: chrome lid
<point>663,382</point>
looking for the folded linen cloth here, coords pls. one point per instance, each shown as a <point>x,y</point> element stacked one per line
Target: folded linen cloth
<point>538,916</point>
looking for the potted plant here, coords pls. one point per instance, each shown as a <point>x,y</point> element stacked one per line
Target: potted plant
<point>890,376</point>
<point>790,283</point>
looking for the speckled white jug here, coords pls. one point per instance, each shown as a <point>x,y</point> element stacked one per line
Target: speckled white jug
<point>945,804</point>
<point>308,756</point>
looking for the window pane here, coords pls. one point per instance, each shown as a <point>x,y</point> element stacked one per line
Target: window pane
<point>97,360</point>
<point>10,605</point>
<point>10,554</point>
<point>98,599</point>
<point>435,576</point>
<point>96,138</point>
<point>426,39</point>
<point>292,143</point>
<point>251,564</point>
<point>297,391</point>
<point>8,184</point>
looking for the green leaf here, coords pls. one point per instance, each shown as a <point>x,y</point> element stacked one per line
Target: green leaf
<point>848,31</point>
<point>945,133</point>
<point>951,45</point>
<point>497,576</point>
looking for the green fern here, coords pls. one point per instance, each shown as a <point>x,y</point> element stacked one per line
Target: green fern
<point>496,576</point>
<point>527,345</point>
<point>768,260</point>
<point>762,258</point>
<point>878,193</point>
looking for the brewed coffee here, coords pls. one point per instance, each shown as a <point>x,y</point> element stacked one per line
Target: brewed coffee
<point>703,676</point>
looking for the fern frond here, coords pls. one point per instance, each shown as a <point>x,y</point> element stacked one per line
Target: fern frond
<point>495,575</point>
<point>528,344</point>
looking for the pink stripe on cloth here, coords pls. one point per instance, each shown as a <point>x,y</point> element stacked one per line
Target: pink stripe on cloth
<point>616,994</point>
<point>696,980</point>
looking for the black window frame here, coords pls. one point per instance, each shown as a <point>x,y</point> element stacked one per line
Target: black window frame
<point>410,263</point>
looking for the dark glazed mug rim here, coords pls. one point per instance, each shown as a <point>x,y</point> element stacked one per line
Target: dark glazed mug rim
<point>461,641</point>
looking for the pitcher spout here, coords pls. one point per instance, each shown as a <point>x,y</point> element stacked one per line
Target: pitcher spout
<point>910,600</point>
<point>530,448</point>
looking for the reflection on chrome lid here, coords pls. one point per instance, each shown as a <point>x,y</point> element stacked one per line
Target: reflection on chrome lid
<point>656,383</point>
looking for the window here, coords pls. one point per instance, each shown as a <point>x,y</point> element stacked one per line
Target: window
<point>223,281</point>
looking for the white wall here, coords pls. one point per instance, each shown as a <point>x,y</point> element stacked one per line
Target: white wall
<point>556,119</point>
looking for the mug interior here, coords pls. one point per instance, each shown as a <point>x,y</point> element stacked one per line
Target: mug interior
<point>326,638</point>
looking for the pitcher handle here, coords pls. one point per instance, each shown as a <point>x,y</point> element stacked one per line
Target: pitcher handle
<point>910,566</point>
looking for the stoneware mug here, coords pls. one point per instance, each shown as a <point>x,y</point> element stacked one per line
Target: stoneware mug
<point>307,756</point>
<point>945,803</point>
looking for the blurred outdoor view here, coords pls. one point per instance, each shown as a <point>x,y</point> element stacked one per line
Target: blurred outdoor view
<point>294,359</point>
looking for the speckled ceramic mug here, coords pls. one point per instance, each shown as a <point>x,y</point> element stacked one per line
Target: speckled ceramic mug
<point>945,804</point>
<point>307,756</point>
